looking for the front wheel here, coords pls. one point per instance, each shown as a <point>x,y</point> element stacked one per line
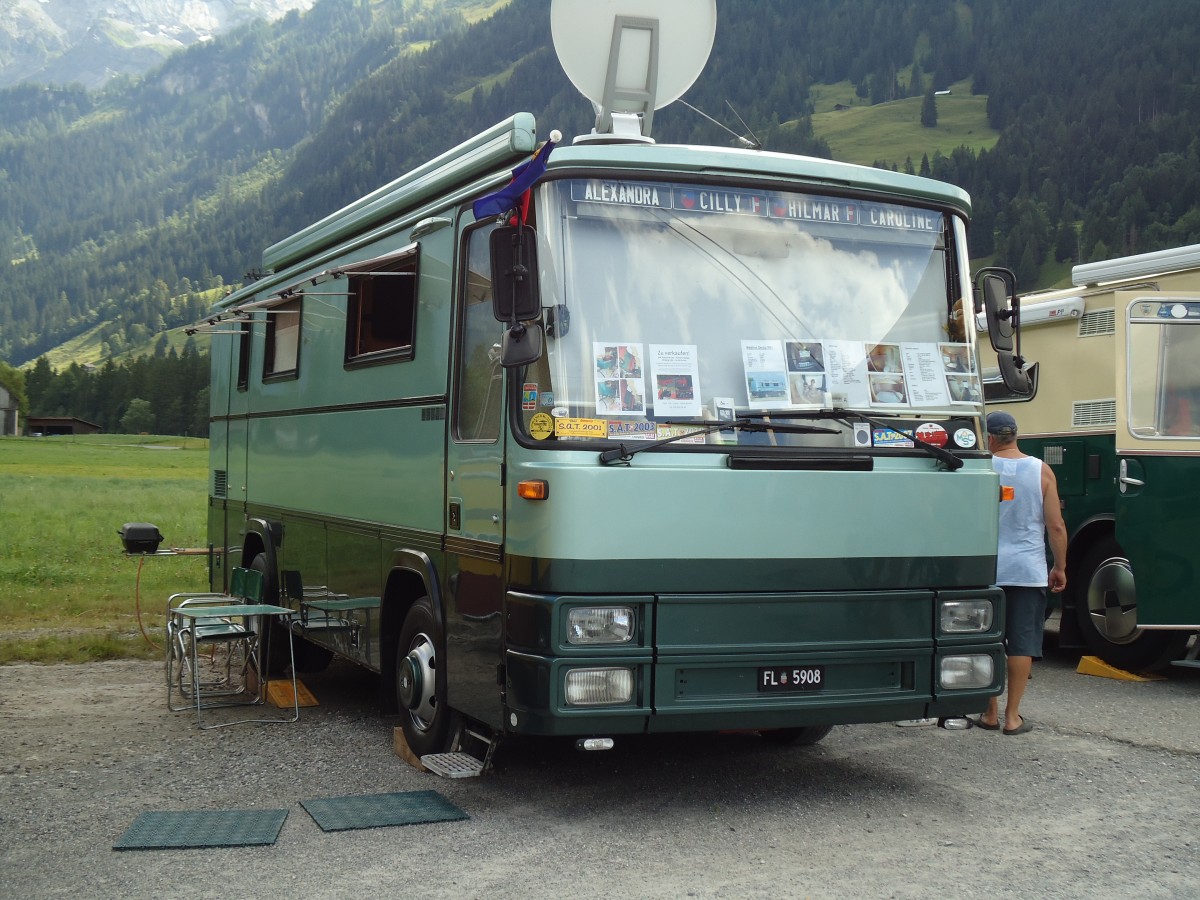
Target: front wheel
<point>420,682</point>
<point>1106,611</point>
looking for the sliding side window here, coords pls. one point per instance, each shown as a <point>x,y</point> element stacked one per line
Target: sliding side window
<point>381,313</point>
<point>243,352</point>
<point>281,358</point>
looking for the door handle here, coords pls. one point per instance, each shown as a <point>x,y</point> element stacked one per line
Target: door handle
<point>1125,479</point>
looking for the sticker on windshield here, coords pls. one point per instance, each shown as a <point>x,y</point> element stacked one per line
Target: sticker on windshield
<point>541,426</point>
<point>889,437</point>
<point>965,438</point>
<point>933,433</point>
<point>632,431</point>
<point>592,428</point>
<point>529,396</point>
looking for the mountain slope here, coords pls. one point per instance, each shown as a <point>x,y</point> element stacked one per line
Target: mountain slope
<point>87,42</point>
<point>117,207</point>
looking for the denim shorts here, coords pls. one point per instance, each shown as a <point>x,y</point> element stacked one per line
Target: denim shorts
<point>1024,620</point>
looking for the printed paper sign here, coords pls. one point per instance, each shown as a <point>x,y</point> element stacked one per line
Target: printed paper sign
<point>675,375</point>
<point>807,381</point>
<point>620,381</point>
<point>766,375</point>
<point>926,375</point>
<point>846,367</point>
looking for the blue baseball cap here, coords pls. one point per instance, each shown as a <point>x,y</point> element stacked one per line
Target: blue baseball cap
<point>1001,424</point>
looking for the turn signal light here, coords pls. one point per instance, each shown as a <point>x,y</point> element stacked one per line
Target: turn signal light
<point>533,490</point>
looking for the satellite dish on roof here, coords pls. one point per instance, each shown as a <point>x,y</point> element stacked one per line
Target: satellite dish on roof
<point>631,57</point>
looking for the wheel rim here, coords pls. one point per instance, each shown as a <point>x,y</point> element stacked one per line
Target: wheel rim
<point>416,681</point>
<point>1112,601</point>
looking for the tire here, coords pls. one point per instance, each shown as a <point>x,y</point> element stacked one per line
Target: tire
<point>420,682</point>
<point>1106,611</point>
<point>797,737</point>
<point>311,658</point>
<point>275,658</point>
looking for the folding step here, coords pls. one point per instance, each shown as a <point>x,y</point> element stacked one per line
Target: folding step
<point>457,763</point>
<point>453,765</point>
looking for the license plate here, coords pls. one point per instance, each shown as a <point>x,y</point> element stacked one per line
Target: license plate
<point>791,678</point>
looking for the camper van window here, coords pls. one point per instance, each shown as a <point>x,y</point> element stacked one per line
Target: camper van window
<point>282,354</point>
<point>243,352</point>
<point>480,377</point>
<point>381,314</point>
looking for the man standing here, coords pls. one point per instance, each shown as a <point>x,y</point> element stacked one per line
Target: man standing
<point>1031,510</point>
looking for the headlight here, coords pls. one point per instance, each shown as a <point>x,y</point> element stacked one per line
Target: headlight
<point>966,616</point>
<point>971,671</point>
<point>598,687</point>
<point>600,625</point>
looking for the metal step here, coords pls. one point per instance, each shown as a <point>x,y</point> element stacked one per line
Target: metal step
<point>1187,663</point>
<point>453,765</point>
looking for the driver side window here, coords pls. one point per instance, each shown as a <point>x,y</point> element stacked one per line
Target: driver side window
<point>480,378</point>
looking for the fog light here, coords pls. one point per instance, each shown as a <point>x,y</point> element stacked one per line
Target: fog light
<point>971,671</point>
<point>599,687</point>
<point>966,616</point>
<point>600,625</point>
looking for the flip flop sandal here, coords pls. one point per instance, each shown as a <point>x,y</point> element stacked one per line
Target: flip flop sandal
<point>979,723</point>
<point>1020,729</point>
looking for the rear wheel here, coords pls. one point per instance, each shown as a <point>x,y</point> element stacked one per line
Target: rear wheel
<point>797,737</point>
<point>1106,611</point>
<point>420,682</point>
<point>274,651</point>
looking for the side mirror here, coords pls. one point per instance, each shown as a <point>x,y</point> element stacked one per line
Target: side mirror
<point>1003,310</point>
<point>514,274</point>
<point>521,345</point>
<point>1015,376</point>
<point>999,316</point>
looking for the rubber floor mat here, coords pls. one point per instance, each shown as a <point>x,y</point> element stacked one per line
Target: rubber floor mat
<point>379,810</point>
<point>203,828</point>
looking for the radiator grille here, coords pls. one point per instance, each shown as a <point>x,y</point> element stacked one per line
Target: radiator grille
<point>1085,413</point>
<point>220,482</point>
<point>1098,321</point>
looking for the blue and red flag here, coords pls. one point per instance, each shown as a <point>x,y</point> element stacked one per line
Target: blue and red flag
<point>515,194</point>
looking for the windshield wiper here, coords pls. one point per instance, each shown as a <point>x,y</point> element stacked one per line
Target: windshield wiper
<point>622,453</point>
<point>952,462</point>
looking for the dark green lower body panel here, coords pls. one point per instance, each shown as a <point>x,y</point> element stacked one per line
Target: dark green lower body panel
<point>698,661</point>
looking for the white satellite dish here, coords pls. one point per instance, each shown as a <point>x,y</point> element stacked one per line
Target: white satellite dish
<point>631,57</point>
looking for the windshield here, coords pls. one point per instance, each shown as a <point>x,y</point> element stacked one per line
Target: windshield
<point>684,303</point>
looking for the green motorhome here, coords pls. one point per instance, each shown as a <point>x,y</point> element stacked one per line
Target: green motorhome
<point>733,486</point>
<point>1115,361</point>
<point>617,437</point>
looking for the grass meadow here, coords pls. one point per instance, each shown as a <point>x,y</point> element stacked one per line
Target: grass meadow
<point>68,593</point>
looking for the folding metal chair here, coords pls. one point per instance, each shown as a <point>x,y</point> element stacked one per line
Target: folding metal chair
<point>230,625</point>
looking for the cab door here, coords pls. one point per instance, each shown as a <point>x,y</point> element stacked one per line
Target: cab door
<point>1158,451</point>
<point>475,490</point>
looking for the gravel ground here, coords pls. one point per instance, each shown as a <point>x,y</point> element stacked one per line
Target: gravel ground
<point>1101,799</point>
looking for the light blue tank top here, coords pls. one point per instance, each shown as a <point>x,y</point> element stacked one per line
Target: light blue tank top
<point>1021,556</point>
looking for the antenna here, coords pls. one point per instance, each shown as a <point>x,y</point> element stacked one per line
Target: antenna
<point>752,142</point>
<point>656,49</point>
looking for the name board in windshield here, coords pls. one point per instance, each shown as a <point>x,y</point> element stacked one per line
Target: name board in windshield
<point>788,207</point>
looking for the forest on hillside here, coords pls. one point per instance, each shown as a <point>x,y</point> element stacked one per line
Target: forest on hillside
<point>119,207</point>
<point>161,393</point>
